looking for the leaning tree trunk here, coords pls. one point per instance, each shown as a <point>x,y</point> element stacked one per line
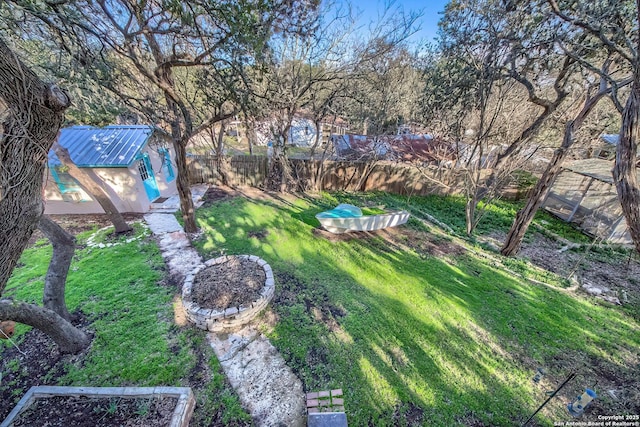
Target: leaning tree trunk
<point>35,114</point>
<point>624,171</point>
<point>64,245</point>
<point>525,215</point>
<point>93,187</point>
<point>320,170</point>
<point>35,111</point>
<point>68,338</point>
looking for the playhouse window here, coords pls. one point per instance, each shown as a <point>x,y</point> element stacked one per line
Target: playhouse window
<point>68,186</point>
<point>167,167</point>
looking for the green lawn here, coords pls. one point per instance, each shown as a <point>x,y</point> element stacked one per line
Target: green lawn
<point>130,311</point>
<point>497,216</point>
<point>417,337</point>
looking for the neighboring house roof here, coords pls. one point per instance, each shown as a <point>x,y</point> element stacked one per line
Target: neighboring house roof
<point>406,148</point>
<point>593,168</point>
<point>351,146</point>
<point>111,146</point>
<point>421,148</point>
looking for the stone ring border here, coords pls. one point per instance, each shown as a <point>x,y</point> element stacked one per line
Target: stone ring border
<point>91,244</point>
<point>217,320</point>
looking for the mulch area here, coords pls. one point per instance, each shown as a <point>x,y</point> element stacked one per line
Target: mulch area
<point>65,411</point>
<point>216,194</point>
<point>34,361</point>
<point>233,283</point>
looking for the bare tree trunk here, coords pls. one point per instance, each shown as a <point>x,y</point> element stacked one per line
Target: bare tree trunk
<point>93,187</point>
<point>316,141</point>
<point>34,114</point>
<point>251,136</point>
<point>280,177</point>
<point>366,173</point>
<point>470,213</point>
<point>221,158</point>
<point>474,186</point>
<point>624,171</point>
<point>320,170</point>
<point>525,215</point>
<point>248,124</point>
<point>499,168</point>
<point>68,338</point>
<point>64,245</point>
<point>182,183</point>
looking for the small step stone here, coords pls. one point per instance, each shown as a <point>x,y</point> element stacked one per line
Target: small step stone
<point>327,419</point>
<point>325,408</point>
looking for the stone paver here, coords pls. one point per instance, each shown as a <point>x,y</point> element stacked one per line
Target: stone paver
<point>161,223</point>
<point>172,204</point>
<point>174,244</point>
<point>267,388</point>
<point>328,419</point>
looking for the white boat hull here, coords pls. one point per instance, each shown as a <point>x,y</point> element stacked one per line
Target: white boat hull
<point>363,223</point>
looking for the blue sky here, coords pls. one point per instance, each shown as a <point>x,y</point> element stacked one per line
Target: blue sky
<point>370,9</point>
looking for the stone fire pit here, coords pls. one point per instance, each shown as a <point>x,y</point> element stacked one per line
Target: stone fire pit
<point>234,310</point>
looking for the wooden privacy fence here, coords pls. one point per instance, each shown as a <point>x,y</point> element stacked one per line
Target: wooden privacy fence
<point>248,171</point>
<point>333,175</point>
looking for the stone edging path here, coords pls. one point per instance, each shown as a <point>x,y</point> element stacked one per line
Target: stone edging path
<point>267,388</point>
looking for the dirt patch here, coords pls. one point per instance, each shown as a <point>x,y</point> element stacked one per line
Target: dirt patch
<point>432,246</point>
<point>63,411</point>
<point>113,237</point>
<point>261,234</point>
<point>470,420</point>
<point>424,243</point>
<point>233,283</point>
<point>37,360</point>
<point>408,414</point>
<point>76,224</point>
<point>399,238</point>
<point>216,194</point>
<point>610,268</point>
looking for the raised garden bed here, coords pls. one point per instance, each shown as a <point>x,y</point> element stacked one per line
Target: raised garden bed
<point>227,292</point>
<point>103,406</point>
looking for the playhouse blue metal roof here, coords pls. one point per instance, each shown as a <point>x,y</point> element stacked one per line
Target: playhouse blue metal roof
<point>111,146</point>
